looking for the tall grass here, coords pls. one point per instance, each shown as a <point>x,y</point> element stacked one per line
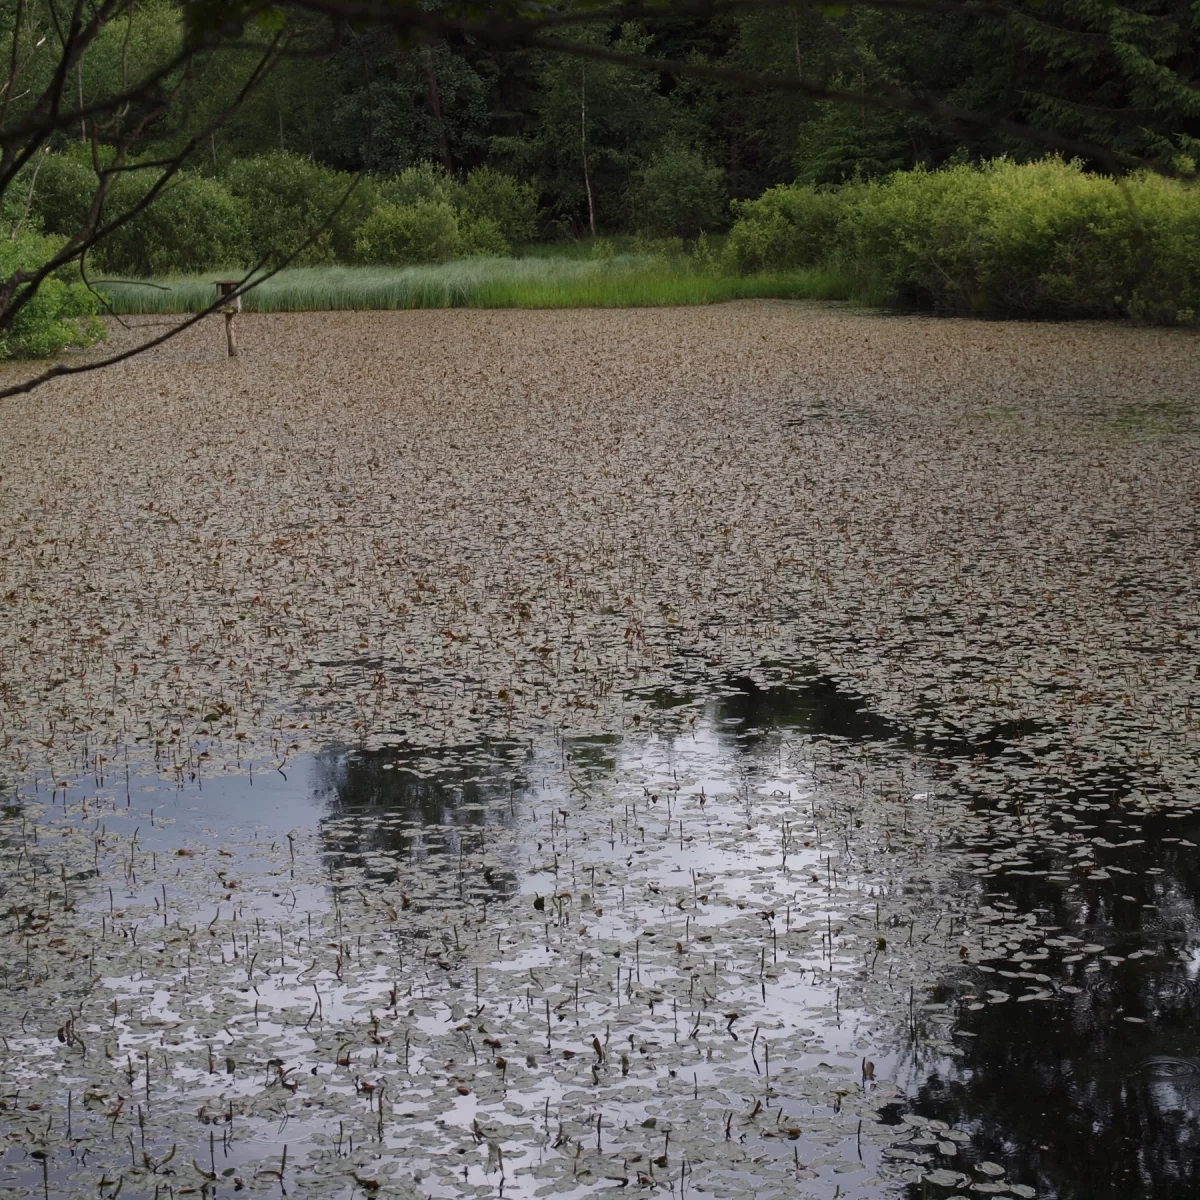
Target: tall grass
<point>613,282</point>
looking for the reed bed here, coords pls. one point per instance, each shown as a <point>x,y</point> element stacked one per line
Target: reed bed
<point>622,281</point>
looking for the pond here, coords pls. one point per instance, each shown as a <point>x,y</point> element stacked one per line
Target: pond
<point>592,759</point>
<point>751,949</point>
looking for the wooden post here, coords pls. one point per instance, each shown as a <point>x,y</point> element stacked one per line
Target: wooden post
<point>226,289</point>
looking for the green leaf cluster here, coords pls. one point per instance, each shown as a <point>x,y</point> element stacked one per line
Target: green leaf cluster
<point>271,206</point>
<point>61,314</point>
<point>678,193</point>
<point>1043,239</point>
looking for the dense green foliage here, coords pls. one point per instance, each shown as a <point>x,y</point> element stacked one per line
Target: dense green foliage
<point>589,127</point>
<point>1039,239</point>
<point>193,224</point>
<point>279,206</point>
<point>1044,239</point>
<point>365,150</point>
<point>490,195</point>
<point>787,226</point>
<point>286,201</point>
<point>678,193</point>
<point>595,140</point>
<point>58,315</point>
<point>403,234</point>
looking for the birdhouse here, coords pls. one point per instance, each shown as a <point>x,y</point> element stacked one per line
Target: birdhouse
<point>226,294</point>
<point>229,302</point>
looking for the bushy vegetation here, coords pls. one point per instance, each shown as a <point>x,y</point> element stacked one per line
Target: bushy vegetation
<point>286,202</point>
<point>59,315</point>
<point>403,234</point>
<point>271,207</point>
<point>487,196</point>
<point>195,223</point>
<point>425,215</point>
<point>678,193</point>
<point>1122,75</point>
<point>787,227</point>
<point>63,192</point>
<point>1043,239</point>
<point>371,151</point>
<point>1006,239</point>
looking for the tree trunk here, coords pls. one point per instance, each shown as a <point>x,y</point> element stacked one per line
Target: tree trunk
<point>587,180</point>
<point>435,106</point>
<point>16,229</point>
<point>82,119</point>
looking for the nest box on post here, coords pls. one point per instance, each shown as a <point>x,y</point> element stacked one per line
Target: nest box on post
<point>230,305</point>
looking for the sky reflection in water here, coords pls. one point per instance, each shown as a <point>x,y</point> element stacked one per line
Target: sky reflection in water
<point>1091,1092</point>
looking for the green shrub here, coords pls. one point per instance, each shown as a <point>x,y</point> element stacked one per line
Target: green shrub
<point>1057,242</point>
<point>397,235</point>
<point>786,227</point>
<point>61,314</point>
<point>490,195</point>
<point>916,237</point>
<point>1041,239</point>
<point>481,236</point>
<point>289,201</point>
<point>492,210</point>
<point>424,183</point>
<point>63,193</point>
<point>678,193</point>
<point>194,224</point>
<point>1167,291</point>
<point>707,256</point>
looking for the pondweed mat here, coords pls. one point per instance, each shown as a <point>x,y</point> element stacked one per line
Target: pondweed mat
<point>748,750</point>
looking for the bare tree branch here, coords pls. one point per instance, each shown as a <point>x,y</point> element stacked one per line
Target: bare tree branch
<point>94,231</point>
<point>252,278</point>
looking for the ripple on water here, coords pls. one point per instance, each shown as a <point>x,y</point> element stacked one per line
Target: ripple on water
<point>1168,1066</point>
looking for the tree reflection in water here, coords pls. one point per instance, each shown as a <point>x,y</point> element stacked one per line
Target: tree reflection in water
<point>815,706</point>
<point>395,810</point>
<point>1096,1094</point>
<point>1093,1094</point>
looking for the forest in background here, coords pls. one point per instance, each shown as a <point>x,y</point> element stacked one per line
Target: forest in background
<point>1118,76</point>
<point>361,147</point>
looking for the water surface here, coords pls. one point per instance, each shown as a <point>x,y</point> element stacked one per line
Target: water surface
<point>814,948</point>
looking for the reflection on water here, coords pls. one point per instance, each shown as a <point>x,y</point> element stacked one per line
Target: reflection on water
<point>817,707</point>
<point>1085,1086</point>
<point>429,812</point>
<point>1096,1094</point>
<point>592,757</point>
<point>1093,1093</point>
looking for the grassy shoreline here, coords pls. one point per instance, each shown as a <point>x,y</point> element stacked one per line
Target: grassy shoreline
<point>619,282</point>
